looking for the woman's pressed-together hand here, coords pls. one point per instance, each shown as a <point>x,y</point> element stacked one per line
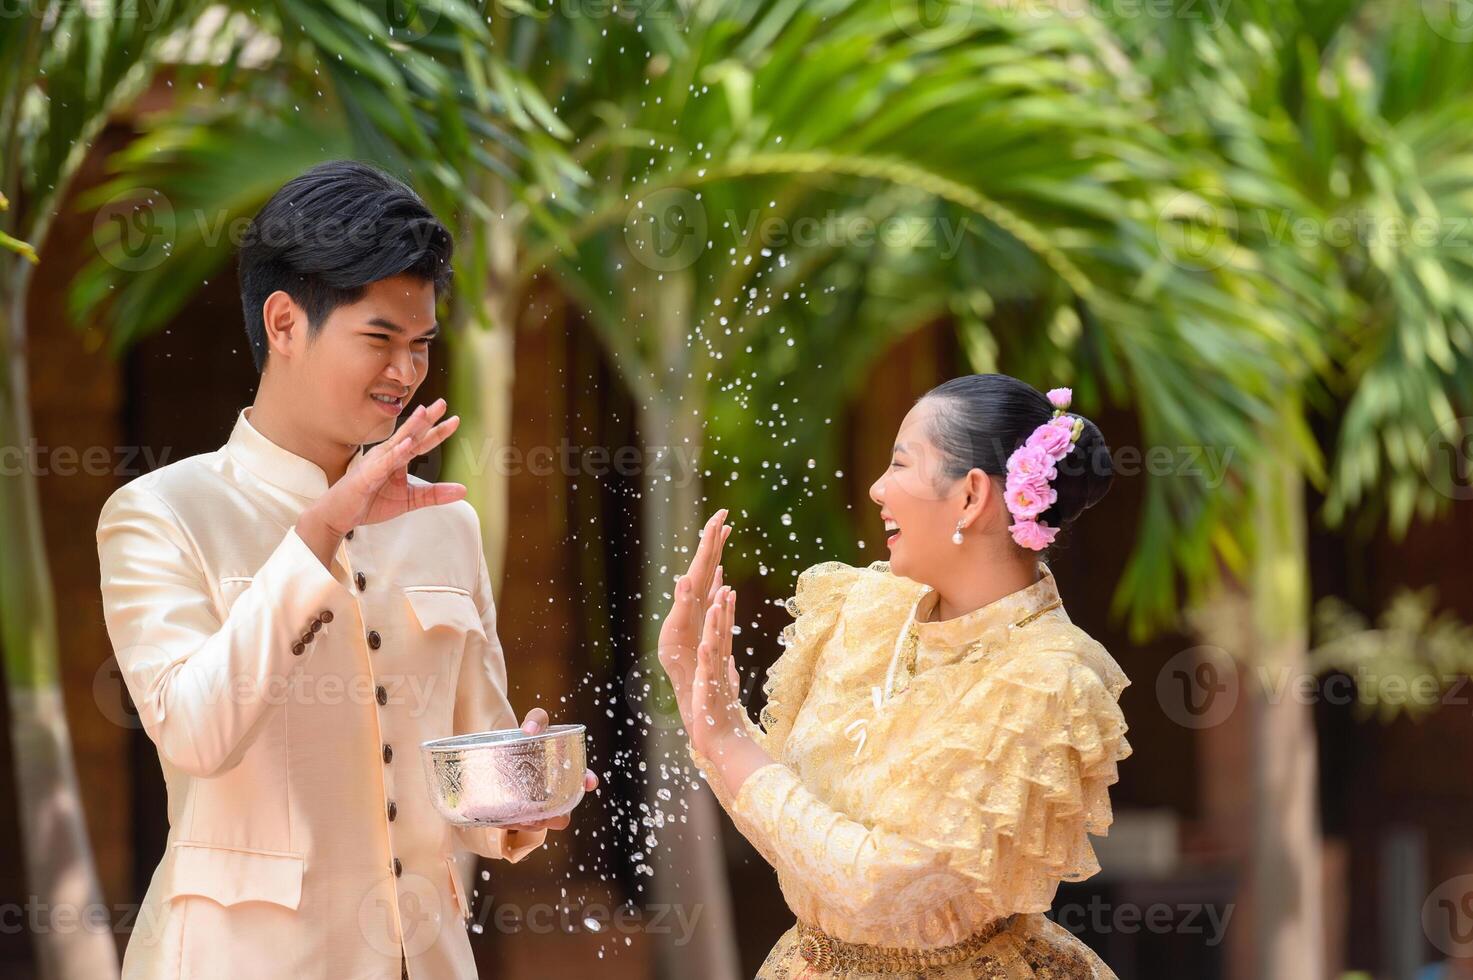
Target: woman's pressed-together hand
<point>696,653</point>
<point>717,715</point>
<point>695,593</point>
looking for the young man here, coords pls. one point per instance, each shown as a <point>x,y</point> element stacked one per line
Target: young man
<point>293,615</point>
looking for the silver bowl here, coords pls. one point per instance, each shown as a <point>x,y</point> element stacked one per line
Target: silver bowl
<point>490,779</point>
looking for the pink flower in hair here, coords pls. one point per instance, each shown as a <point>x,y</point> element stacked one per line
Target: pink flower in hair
<point>1031,467</point>
<point>1031,534</point>
<point>1021,491</point>
<point>1037,481</point>
<point>1053,438</point>
<point>1029,499</point>
<point>1029,461</point>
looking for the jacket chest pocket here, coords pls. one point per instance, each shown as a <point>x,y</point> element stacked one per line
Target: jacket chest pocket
<point>229,875</point>
<point>442,607</point>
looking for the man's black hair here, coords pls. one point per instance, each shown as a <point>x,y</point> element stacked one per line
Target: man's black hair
<point>326,235</point>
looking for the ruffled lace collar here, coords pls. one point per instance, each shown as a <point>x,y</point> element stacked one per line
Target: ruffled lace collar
<point>973,626</point>
<point>931,644</point>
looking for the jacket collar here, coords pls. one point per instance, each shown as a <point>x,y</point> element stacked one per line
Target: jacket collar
<point>277,466</point>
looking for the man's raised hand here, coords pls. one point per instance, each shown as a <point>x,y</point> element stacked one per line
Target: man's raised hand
<point>378,489</point>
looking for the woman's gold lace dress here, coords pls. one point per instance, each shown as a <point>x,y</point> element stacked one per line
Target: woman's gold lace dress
<point>933,782</point>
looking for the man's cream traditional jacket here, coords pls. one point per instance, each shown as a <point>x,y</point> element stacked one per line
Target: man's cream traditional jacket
<point>288,702</point>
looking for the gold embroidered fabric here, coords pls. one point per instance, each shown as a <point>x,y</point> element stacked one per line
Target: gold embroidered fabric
<point>1029,946</point>
<point>931,778</point>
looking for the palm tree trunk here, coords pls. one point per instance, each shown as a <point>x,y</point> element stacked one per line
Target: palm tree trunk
<point>483,370</point>
<point>481,377</point>
<point>58,854</point>
<point>693,869</point>
<point>482,373</point>
<point>1287,876</point>
<point>1263,620</point>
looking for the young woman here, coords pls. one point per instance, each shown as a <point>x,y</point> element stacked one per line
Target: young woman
<point>939,737</point>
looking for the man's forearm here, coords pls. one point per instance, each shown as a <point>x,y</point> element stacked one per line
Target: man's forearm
<point>318,536</point>
<point>200,681</point>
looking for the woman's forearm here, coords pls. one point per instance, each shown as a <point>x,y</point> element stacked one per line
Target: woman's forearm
<point>735,756</point>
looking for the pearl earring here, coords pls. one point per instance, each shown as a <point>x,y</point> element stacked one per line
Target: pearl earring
<point>956,538</point>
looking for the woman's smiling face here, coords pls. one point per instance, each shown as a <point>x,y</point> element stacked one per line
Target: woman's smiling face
<point>919,504</point>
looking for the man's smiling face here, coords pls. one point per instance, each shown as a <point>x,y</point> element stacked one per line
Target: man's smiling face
<point>360,371</point>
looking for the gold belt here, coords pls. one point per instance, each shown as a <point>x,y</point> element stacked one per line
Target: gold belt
<point>824,952</point>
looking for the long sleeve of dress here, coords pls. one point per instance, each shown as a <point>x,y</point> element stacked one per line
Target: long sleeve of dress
<point>999,816</point>
<point>481,705</point>
<point>860,880</point>
<point>708,769</point>
<point>202,686</point>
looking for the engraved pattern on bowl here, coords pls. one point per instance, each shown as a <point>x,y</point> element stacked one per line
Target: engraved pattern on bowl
<point>491,779</point>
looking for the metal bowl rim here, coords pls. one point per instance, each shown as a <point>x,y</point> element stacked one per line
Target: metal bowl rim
<point>511,736</point>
